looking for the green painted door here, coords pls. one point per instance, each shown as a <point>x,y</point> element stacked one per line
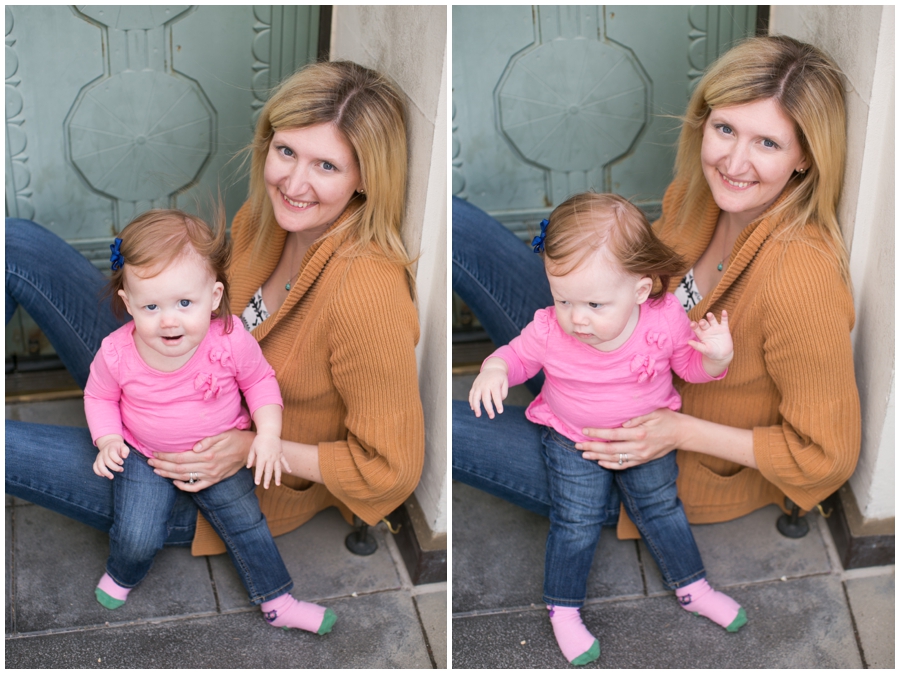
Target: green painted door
<point>112,110</point>
<point>549,101</point>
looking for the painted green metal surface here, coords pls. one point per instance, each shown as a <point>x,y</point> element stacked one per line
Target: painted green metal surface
<point>553,100</point>
<point>112,110</point>
<point>549,101</point>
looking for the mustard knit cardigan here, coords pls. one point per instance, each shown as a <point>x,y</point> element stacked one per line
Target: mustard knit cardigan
<point>343,349</point>
<point>791,380</point>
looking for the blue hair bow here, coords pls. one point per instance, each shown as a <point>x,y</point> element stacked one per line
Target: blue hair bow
<point>117,259</point>
<point>538,241</point>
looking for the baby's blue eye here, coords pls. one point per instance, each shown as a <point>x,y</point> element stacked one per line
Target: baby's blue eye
<point>184,303</point>
<point>594,305</point>
<point>151,307</point>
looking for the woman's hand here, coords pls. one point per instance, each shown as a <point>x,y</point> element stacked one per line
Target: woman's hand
<point>212,459</point>
<point>641,439</point>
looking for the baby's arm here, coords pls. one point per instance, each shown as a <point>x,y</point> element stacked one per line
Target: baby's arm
<point>491,386</point>
<point>112,454</point>
<point>714,343</point>
<point>266,448</point>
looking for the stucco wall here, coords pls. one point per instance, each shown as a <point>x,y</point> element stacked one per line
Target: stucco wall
<point>861,40</point>
<point>409,44</point>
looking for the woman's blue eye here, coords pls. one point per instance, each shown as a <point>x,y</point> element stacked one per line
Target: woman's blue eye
<point>328,166</point>
<point>724,128</point>
<point>184,303</point>
<point>769,143</point>
<point>286,151</point>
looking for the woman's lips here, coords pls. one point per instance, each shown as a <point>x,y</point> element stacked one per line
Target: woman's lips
<point>301,205</point>
<point>736,184</point>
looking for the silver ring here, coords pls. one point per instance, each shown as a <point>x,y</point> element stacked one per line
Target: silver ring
<point>622,458</point>
<point>194,477</point>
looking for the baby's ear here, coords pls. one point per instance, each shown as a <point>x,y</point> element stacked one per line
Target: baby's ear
<point>125,301</point>
<point>218,289</point>
<point>642,289</point>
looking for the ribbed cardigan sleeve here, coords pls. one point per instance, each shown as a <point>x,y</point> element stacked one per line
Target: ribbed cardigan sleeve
<point>806,322</point>
<point>373,330</point>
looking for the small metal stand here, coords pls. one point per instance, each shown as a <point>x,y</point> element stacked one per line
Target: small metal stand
<point>360,541</point>
<point>793,525</point>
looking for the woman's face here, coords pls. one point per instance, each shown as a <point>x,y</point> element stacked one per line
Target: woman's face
<point>311,175</point>
<point>748,155</point>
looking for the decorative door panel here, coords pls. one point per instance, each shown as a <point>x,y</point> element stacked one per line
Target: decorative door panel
<point>553,100</point>
<point>112,110</point>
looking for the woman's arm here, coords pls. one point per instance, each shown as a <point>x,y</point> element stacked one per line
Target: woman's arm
<point>656,434</point>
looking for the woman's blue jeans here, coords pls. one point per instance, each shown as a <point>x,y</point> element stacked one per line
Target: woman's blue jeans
<point>51,466</point>
<point>144,503</point>
<point>579,490</point>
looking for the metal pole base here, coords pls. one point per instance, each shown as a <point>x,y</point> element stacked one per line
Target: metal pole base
<point>792,526</point>
<point>361,542</point>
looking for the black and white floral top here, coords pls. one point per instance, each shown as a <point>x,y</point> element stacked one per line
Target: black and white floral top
<point>687,292</point>
<point>256,311</point>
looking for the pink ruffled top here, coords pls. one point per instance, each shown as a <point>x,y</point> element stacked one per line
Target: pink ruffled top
<point>170,411</point>
<point>585,387</point>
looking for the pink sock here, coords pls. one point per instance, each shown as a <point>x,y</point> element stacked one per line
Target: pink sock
<point>699,597</point>
<point>109,593</point>
<point>285,611</point>
<point>578,645</point>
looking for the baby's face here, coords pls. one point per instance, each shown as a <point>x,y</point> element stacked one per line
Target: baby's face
<point>172,309</point>
<point>598,303</point>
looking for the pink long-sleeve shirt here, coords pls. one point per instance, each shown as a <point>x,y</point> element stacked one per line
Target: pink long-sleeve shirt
<point>587,388</point>
<point>171,411</point>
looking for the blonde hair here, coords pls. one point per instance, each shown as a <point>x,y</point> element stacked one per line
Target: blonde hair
<point>807,86</point>
<point>156,238</point>
<point>367,109</point>
<point>589,222</point>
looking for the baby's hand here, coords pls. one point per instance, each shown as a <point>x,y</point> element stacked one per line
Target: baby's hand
<point>112,454</point>
<point>266,452</point>
<point>714,342</point>
<point>490,387</point>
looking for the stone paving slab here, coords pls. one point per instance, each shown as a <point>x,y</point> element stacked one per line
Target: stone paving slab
<point>801,623</point>
<point>319,562</point>
<point>67,412</point>
<point>872,601</point>
<point>498,556</point>
<point>10,587</point>
<point>750,549</point>
<point>58,562</point>
<point>373,631</point>
<point>432,607</point>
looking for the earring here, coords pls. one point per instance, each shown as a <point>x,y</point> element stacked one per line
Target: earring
<point>801,170</point>
<point>360,191</point>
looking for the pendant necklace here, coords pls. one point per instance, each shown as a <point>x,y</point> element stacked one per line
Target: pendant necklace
<point>724,253</point>
<point>287,286</point>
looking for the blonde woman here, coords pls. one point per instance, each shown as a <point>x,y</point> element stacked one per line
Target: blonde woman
<point>752,210</point>
<point>321,278</point>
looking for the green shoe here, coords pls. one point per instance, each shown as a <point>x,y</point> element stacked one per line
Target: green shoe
<point>107,601</point>
<point>329,620</point>
<point>738,622</point>
<point>589,655</point>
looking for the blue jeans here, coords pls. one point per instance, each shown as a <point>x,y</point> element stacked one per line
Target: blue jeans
<point>581,506</point>
<point>144,503</point>
<point>51,466</point>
